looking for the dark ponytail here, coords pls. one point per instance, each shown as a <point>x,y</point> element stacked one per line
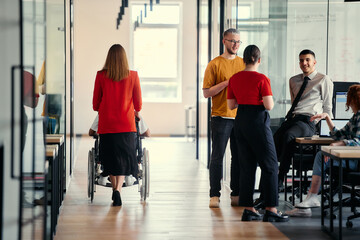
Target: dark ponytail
<point>251,54</point>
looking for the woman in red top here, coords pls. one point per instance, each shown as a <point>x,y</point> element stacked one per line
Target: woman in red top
<point>117,98</point>
<point>251,93</point>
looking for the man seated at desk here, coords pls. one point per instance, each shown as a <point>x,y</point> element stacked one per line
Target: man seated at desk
<point>311,94</point>
<point>349,135</point>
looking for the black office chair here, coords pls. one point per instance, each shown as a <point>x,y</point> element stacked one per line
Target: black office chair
<point>354,180</point>
<point>307,164</point>
<point>346,202</point>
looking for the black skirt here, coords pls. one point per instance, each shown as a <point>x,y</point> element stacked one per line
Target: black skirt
<point>118,153</point>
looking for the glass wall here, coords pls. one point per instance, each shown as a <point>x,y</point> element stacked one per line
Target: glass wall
<point>281,29</point>
<point>204,58</point>
<point>55,67</point>
<point>33,159</point>
<point>343,40</point>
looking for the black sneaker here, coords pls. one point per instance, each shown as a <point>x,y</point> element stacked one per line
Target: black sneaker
<point>251,216</point>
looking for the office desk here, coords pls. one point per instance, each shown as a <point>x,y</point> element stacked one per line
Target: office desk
<point>337,153</point>
<point>58,139</point>
<point>51,186</point>
<point>314,141</point>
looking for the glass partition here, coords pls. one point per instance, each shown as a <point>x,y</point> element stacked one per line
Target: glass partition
<point>343,38</point>
<point>263,23</point>
<point>55,67</point>
<point>33,150</point>
<point>203,61</point>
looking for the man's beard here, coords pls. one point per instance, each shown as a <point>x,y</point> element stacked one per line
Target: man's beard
<point>229,50</point>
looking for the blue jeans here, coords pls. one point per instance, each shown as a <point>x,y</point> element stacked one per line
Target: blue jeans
<point>221,131</point>
<point>317,164</point>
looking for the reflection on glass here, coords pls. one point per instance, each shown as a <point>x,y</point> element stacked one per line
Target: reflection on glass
<point>203,61</point>
<point>33,138</point>
<point>344,37</point>
<point>55,67</point>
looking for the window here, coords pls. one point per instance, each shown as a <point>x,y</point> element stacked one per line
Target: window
<point>156,51</point>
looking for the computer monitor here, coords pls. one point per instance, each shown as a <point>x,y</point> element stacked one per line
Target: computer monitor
<point>339,100</point>
<point>324,128</point>
<point>340,106</point>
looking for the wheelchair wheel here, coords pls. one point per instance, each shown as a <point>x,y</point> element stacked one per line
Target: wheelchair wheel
<point>91,174</point>
<point>147,172</point>
<point>144,175</point>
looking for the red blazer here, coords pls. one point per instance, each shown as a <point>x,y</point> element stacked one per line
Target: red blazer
<point>116,102</point>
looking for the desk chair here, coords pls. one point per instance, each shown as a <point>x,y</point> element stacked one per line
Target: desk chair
<point>346,202</point>
<point>307,165</point>
<point>308,155</point>
<point>354,180</point>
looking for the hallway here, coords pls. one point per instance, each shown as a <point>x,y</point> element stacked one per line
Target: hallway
<point>177,207</point>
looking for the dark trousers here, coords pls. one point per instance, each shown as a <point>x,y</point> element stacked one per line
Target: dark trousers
<point>284,138</point>
<point>221,131</point>
<point>256,147</point>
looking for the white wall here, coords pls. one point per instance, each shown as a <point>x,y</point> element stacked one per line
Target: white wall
<point>95,32</point>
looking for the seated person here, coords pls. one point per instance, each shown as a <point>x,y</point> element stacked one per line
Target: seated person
<point>349,135</point>
<point>143,128</point>
<point>129,180</point>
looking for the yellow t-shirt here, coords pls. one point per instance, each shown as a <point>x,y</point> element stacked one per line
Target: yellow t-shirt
<point>219,70</point>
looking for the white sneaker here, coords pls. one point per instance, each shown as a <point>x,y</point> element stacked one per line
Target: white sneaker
<point>299,212</point>
<point>102,180</point>
<point>214,202</point>
<point>129,180</point>
<point>311,201</point>
<point>98,169</point>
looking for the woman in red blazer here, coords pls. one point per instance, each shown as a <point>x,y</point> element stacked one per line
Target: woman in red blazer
<point>117,98</point>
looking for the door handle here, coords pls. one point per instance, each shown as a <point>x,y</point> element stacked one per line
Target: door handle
<point>12,123</point>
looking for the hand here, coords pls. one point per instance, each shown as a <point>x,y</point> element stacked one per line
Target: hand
<point>339,143</point>
<point>319,116</point>
<point>137,116</point>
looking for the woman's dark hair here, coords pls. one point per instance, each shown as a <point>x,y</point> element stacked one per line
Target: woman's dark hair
<point>353,97</point>
<point>251,54</point>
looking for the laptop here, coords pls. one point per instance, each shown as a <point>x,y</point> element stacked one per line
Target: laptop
<point>324,128</point>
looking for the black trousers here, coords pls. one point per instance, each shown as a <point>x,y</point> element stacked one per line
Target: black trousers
<point>221,130</point>
<point>284,138</point>
<point>256,147</point>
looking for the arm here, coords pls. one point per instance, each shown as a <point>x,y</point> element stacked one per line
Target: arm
<point>214,90</point>
<point>354,126</point>
<point>327,94</point>
<point>97,95</point>
<point>291,91</point>
<point>232,104</point>
<point>92,132</point>
<point>325,116</point>
<point>137,99</point>
<point>268,102</point>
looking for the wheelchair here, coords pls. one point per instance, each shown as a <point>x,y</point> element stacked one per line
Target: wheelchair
<point>142,158</point>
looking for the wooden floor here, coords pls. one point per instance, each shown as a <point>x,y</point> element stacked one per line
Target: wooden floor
<point>176,209</point>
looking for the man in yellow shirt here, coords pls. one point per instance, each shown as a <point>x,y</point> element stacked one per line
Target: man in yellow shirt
<point>216,79</point>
